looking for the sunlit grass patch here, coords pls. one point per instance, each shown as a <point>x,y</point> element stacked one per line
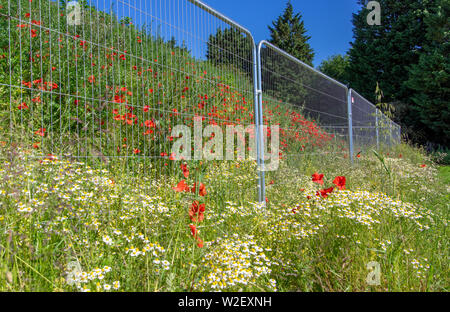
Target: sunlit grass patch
<point>73,227</point>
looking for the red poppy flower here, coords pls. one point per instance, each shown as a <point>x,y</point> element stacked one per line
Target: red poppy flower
<point>199,243</point>
<point>202,190</point>
<point>318,178</point>
<point>185,170</point>
<point>339,182</point>
<point>137,151</point>
<point>40,132</point>
<point>193,230</point>
<point>23,106</point>
<point>423,165</point>
<point>51,157</point>
<point>149,123</point>
<point>324,193</point>
<point>182,186</point>
<point>196,212</point>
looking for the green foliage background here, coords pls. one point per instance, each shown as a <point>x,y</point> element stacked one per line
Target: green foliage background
<point>408,55</point>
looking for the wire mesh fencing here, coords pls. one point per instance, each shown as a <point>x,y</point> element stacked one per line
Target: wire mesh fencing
<point>104,80</point>
<point>365,129</point>
<point>310,108</point>
<point>111,79</point>
<point>370,127</point>
<point>396,133</point>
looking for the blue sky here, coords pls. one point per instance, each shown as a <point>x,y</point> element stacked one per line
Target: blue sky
<point>328,22</point>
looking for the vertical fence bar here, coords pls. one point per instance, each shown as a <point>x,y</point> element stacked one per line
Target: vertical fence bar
<point>376,128</point>
<point>390,134</point>
<point>259,129</point>
<point>257,119</point>
<point>350,125</point>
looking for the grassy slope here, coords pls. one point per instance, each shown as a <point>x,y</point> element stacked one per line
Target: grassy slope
<point>324,246</point>
<point>57,216</point>
<point>444,174</point>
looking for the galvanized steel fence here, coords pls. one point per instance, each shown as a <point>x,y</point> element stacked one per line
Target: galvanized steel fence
<point>112,78</point>
<point>371,128</point>
<point>316,105</point>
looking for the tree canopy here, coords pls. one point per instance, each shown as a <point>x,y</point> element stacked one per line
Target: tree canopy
<point>230,47</point>
<point>288,32</point>
<point>336,67</point>
<point>408,56</point>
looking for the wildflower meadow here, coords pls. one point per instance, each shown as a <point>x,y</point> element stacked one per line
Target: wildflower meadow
<point>94,199</point>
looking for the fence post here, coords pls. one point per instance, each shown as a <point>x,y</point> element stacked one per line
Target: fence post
<point>259,125</point>
<point>256,119</point>
<point>390,134</point>
<point>350,124</point>
<point>376,129</point>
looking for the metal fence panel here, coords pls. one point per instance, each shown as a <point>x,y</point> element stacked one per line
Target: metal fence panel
<point>310,108</point>
<point>111,78</point>
<point>316,105</point>
<point>396,133</point>
<point>371,128</point>
<point>364,122</point>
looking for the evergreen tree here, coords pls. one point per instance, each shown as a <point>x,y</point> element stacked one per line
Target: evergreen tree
<point>336,67</point>
<point>388,54</point>
<point>230,47</point>
<point>382,53</point>
<point>289,34</point>
<point>429,79</point>
<point>283,79</point>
